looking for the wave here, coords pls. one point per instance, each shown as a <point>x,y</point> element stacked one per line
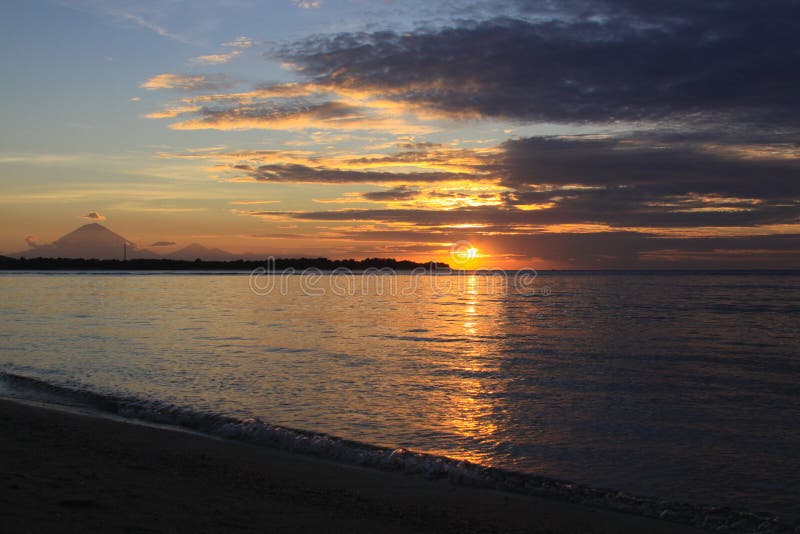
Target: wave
<point>255,431</point>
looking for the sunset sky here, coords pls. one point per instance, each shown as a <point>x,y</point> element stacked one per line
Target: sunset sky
<point>550,134</point>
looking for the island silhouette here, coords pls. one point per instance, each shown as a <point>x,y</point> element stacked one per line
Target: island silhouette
<point>95,247</point>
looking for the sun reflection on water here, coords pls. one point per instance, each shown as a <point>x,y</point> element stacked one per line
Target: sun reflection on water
<point>471,410</point>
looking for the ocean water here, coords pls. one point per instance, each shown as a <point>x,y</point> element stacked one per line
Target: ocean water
<point>677,386</point>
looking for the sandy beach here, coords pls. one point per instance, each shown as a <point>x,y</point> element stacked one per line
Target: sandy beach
<point>71,472</point>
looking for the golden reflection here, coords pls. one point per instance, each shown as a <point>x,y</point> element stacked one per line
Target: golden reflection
<point>472,411</point>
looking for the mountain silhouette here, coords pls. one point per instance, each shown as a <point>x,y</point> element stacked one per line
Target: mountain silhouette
<point>196,250</point>
<point>95,241</point>
<point>91,240</point>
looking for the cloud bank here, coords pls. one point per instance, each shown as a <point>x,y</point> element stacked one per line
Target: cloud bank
<point>697,157</point>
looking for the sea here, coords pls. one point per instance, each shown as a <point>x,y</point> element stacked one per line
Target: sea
<point>673,389</point>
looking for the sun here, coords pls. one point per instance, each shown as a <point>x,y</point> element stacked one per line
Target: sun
<point>462,253</point>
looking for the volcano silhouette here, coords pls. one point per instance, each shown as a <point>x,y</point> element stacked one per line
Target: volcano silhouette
<point>93,241</point>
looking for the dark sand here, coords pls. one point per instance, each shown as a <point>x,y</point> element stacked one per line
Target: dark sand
<point>68,472</point>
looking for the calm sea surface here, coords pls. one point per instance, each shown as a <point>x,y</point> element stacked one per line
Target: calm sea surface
<point>676,386</point>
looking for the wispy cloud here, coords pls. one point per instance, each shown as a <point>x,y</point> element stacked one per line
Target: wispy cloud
<point>239,45</point>
<point>187,82</point>
<point>241,42</point>
<point>252,202</point>
<point>299,116</point>
<point>216,59</point>
<point>147,24</point>
<point>307,4</point>
<point>172,112</point>
<point>418,163</point>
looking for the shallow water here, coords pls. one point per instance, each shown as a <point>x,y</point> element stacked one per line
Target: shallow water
<point>674,386</point>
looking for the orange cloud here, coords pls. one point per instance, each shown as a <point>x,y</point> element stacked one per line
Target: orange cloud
<point>185,82</point>
<point>328,115</point>
<point>216,59</point>
<point>171,112</point>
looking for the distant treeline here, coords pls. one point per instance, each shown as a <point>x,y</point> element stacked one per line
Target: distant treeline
<point>277,264</point>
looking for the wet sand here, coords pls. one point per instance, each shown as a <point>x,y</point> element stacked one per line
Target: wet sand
<point>70,472</point>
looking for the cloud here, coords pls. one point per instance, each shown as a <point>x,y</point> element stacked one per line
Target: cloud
<point>147,24</point>
<point>647,165</point>
<point>186,82</point>
<point>694,101</point>
<point>252,202</point>
<point>93,215</point>
<point>260,94</point>
<point>466,165</point>
<point>216,59</point>
<point>615,209</point>
<point>605,62</point>
<point>32,241</point>
<point>598,62</point>
<point>401,192</point>
<point>648,180</point>
<point>643,179</point>
<point>296,116</point>
<point>295,173</point>
<point>307,4</point>
<point>171,112</point>
<point>289,106</point>
<point>240,42</point>
<point>162,244</point>
<point>626,249</point>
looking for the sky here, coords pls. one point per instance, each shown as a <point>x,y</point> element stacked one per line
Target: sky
<point>582,134</point>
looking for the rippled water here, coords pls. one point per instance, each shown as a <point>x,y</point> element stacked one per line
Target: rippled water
<point>676,386</point>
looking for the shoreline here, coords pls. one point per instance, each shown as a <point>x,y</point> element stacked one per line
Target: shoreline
<point>75,471</point>
<point>361,455</point>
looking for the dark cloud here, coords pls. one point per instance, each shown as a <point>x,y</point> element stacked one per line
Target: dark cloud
<point>401,192</point>
<point>93,215</point>
<point>631,249</point>
<point>162,244</point>
<point>304,174</point>
<point>601,208</point>
<point>418,145</point>
<point>661,166</point>
<point>286,114</point>
<point>276,114</point>
<point>644,180</point>
<point>726,61</point>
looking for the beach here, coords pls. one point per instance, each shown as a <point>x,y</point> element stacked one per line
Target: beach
<point>73,472</point>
